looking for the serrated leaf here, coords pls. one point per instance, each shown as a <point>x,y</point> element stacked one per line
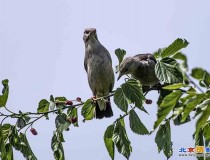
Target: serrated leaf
<point>60,99</point>
<point>120,53</point>
<point>206,79</point>
<point>162,95</point>
<point>177,45</point>
<point>169,61</point>
<point>168,73</point>
<point>174,86</point>
<point>163,139</point>
<point>133,93</point>
<point>197,73</point>
<point>183,65</point>
<point>14,139</point>
<point>199,141</point>
<point>9,151</point>
<point>61,123</point>
<point>2,145</point>
<point>206,130</point>
<point>157,53</point>
<point>25,148</point>
<point>136,125</point>
<point>6,131</point>
<point>120,100</point>
<point>88,110</point>
<point>190,105</point>
<point>121,140</point>
<point>73,115</point>
<point>43,106</point>
<point>204,115</point>
<point>108,141</point>
<point>5,93</point>
<point>166,106</point>
<point>177,120</point>
<point>57,147</point>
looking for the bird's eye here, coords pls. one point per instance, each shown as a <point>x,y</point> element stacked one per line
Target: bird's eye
<point>125,70</point>
<point>86,32</point>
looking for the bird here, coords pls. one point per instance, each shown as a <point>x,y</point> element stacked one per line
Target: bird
<point>141,67</point>
<point>100,74</point>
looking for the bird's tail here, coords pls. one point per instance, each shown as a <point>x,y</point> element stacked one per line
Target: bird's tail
<point>103,109</point>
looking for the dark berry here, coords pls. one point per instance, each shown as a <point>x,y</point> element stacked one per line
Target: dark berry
<point>72,120</point>
<point>33,131</point>
<point>68,102</point>
<point>148,101</point>
<point>78,99</point>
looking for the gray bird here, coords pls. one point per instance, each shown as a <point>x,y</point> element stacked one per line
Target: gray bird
<point>141,67</point>
<point>98,65</point>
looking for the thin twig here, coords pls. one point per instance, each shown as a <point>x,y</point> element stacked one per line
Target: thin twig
<point>191,81</point>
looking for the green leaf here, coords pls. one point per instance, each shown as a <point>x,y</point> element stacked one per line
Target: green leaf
<point>121,140</point>
<point>169,61</point>
<point>206,79</point>
<point>72,114</point>
<point>108,141</point>
<point>204,115</point>
<point>57,147</point>
<point>43,106</point>
<point>174,86</point>
<point>120,100</point>
<point>157,53</point>
<point>206,130</point>
<point>60,99</point>
<point>88,110</point>
<point>120,53</point>
<point>9,151</point>
<point>177,120</point>
<point>163,139</point>
<point>166,106</point>
<point>168,73</point>
<point>25,148</point>
<point>181,57</point>
<point>14,139</point>
<point>197,73</point>
<point>61,123</point>
<point>190,105</point>
<point>6,131</point>
<point>133,92</point>
<point>5,93</point>
<point>136,125</point>
<point>177,45</point>
<point>2,145</point>
<point>163,94</point>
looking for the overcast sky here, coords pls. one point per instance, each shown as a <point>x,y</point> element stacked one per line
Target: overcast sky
<point>42,52</point>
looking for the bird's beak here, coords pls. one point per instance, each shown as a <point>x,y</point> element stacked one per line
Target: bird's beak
<point>120,75</point>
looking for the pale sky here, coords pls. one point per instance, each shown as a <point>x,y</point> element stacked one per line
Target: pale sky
<point>42,53</point>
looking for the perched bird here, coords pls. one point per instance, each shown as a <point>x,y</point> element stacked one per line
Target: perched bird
<point>98,65</point>
<point>141,67</point>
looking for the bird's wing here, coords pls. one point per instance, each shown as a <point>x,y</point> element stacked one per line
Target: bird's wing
<point>85,60</point>
<point>104,50</point>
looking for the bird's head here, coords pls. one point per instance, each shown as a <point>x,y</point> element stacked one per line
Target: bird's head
<point>126,67</point>
<point>90,35</point>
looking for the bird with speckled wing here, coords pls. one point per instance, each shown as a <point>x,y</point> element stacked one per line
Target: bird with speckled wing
<point>98,65</point>
<point>141,67</point>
